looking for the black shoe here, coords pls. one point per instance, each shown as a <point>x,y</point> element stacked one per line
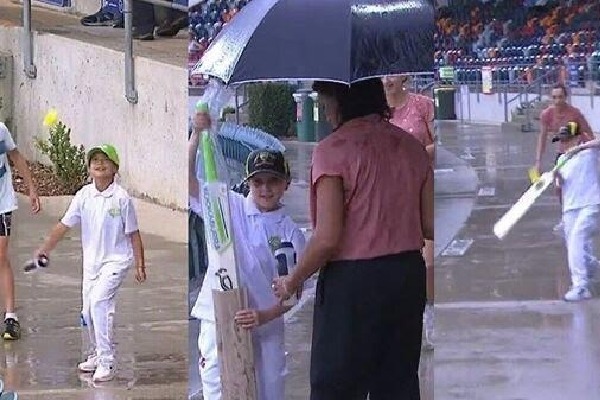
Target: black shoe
<point>100,18</point>
<point>119,22</point>
<point>143,36</point>
<point>12,329</point>
<point>173,28</point>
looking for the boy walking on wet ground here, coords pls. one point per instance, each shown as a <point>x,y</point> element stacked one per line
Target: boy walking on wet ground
<point>579,184</point>
<point>111,244</point>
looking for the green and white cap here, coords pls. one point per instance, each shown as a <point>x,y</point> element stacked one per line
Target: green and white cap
<point>108,150</point>
<point>202,107</point>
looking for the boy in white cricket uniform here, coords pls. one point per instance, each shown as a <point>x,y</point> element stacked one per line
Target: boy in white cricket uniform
<point>8,204</point>
<point>579,184</point>
<point>111,243</point>
<point>259,225</point>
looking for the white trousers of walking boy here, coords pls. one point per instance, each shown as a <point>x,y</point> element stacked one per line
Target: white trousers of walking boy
<point>581,225</point>
<point>269,363</point>
<point>99,301</point>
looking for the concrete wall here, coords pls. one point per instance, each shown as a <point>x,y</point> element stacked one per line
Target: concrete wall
<point>82,7</point>
<point>85,83</point>
<point>489,108</point>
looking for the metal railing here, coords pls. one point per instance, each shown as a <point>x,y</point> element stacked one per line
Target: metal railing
<point>130,88</point>
<point>525,93</point>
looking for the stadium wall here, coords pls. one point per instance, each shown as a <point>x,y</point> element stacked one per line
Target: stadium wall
<point>150,136</point>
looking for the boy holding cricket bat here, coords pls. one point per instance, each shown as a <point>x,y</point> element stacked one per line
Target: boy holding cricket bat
<point>578,182</point>
<point>260,225</point>
<point>111,244</point>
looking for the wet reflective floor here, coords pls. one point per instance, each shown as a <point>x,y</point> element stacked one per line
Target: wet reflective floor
<point>151,323</point>
<point>503,331</point>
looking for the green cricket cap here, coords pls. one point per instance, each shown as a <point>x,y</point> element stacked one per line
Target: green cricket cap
<point>108,150</point>
<point>202,107</point>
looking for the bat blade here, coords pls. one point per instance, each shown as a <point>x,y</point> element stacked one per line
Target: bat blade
<point>520,208</point>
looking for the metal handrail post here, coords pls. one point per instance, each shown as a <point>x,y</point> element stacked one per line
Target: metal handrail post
<point>29,67</point>
<point>505,104</point>
<point>131,93</point>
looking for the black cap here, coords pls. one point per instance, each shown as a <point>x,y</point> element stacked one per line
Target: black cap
<point>566,132</point>
<point>269,161</point>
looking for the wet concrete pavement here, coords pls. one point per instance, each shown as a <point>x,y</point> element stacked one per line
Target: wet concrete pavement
<point>299,319</point>
<point>151,322</point>
<point>502,330</point>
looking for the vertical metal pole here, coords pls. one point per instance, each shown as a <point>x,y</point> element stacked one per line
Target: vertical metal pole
<point>29,68</point>
<point>130,91</point>
<point>237,106</point>
<point>505,104</point>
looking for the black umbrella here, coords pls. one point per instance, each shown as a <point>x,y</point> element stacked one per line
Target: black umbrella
<point>334,40</point>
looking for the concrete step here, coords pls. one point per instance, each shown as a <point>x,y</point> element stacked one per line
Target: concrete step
<point>512,126</point>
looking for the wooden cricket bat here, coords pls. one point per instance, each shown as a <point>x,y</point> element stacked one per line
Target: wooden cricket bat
<point>520,208</point>
<point>234,344</point>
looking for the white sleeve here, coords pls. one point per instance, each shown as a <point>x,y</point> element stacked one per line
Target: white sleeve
<point>9,143</point>
<point>129,216</point>
<point>298,240</point>
<point>73,215</point>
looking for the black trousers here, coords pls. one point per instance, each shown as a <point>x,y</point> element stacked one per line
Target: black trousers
<point>197,251</point>
<point>367,328</point>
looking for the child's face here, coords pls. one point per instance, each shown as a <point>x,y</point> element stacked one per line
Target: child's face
<point>202,120</point>
<point>267,190</point>
<point>101,167</point>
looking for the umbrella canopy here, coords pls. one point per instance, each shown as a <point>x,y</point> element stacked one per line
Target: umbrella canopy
<point>334,40</point>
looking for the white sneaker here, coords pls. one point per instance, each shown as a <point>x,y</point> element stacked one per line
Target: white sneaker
<point>104,372</point>
<point>578,294</point>
<point>89,365</point>
<point>427,344</point>
<point>559,229</point>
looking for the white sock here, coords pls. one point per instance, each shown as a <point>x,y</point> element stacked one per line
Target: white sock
<point>11,315</point>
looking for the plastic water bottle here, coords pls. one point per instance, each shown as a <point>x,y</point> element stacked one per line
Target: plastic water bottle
<point>286,260</point>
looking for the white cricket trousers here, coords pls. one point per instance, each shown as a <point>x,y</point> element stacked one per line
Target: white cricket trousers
<point>581,225</point>
<point>269,363</point>
<point>99,300</point>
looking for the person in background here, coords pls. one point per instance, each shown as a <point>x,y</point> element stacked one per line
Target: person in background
<point>414,114</point>
<point>8,204</point>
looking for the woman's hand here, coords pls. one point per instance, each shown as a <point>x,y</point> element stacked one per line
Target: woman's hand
<point>283,288</point>
<point>249,319</point>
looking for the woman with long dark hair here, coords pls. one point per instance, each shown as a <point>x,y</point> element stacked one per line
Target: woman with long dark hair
<point>371,207</point>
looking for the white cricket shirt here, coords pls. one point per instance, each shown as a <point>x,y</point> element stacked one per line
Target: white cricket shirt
<point>252,230</point>
<point>581,180</point>
<point>106,218</point>
<point>8,198</point>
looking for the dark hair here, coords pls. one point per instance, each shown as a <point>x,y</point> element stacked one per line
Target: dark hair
<point>561,87</point>
<point>357,100</point>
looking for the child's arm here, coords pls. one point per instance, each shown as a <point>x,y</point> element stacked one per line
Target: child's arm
<point>55,236</point>
<point>133,232</point>
<point>586,145</point>
<point>138,256</point>
<point>20,163</point>
<point>71,218</point>
<point>249,319</point>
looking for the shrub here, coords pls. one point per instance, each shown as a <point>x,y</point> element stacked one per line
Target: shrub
<point>271,107</point>
<point>68,161</point>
